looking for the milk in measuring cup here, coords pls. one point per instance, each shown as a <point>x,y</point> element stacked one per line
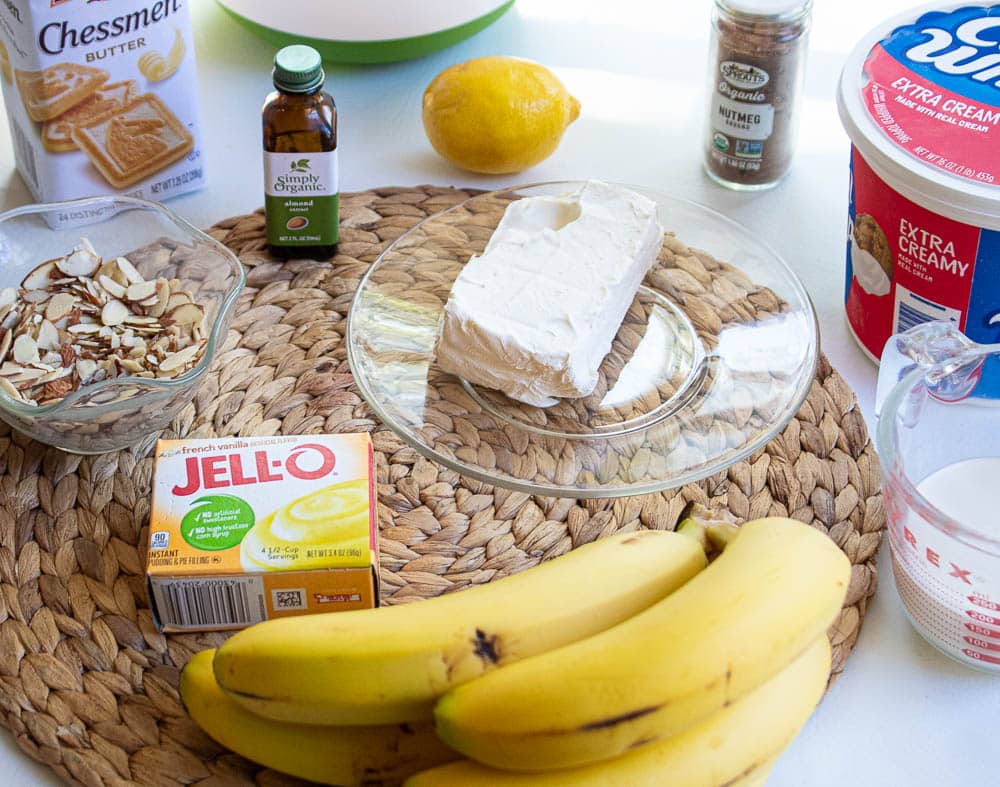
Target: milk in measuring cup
<point>945,585</point>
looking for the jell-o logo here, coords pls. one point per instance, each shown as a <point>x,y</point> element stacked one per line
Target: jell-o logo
<point>218,471</point>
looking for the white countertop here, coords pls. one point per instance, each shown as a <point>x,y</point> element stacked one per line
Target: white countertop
<point>901,714</point>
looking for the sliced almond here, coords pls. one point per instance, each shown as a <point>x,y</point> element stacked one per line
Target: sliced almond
<point>25,349</point>
<point>39,277</point>
<point>26,375</point>
<point>84,327</point>
<point>180,358</point>
<point>111,286</point>
<point>48,336</point>
<point>128,270</point>
<point>114,313</point>
<point>141,290</point>
<point>59,306</point>
<point>186,314</point>
<point>86,369</point>
<point>177,299</point>
<point>85,245</point>
<point>55,374</point>
<point>5,343</point>
<point>162,299</point>
<point>130,365</point>
<point>36,296</point>
<point>8,296</point>
<point>80,262</point>
<point>8,388</point>
<point>97,294</point>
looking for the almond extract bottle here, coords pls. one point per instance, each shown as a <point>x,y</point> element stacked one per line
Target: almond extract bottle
<point>301,190</point>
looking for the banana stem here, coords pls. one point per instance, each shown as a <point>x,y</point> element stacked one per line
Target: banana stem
<point>720,534</point>
<point>696,530</point>
<point>711,535</point>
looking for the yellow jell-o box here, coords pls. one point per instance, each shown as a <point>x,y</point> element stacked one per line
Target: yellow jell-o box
<point>246,529</point>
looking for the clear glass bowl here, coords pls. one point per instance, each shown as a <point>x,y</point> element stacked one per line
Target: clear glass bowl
<point>123,411</point>
<point>714,357</point>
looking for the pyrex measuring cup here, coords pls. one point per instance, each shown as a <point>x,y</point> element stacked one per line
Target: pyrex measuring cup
<point>938,402</point>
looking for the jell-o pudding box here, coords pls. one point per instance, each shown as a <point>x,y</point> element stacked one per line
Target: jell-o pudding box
<point>249,529</point>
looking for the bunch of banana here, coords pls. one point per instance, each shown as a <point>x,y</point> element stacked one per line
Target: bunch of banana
<point>383,754</point>
<point>389,665</point>
<point>738,742</point>
<point>699,688</point>
<point>385,668</point>
<point>625,662</point>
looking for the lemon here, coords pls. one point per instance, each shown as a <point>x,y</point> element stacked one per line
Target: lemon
<point>497,114</point>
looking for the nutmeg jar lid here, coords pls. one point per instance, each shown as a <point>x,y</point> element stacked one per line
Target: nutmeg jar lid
<point>919,97</point>
<point>772,9</point>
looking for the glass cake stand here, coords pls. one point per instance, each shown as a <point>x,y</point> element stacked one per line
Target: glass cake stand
<point>712,360</point>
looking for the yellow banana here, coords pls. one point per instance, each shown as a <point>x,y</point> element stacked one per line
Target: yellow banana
<point>755,778</point>
<point>775,589</point>
<point>329,755</point>
<point>389,665</point>
<point>736,745</point>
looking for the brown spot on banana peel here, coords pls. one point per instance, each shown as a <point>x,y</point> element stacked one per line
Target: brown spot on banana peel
<point>486,647</point>
<point>611,721</point>
<point>742,775</point>
<point>641,742</point>
<point>251,696</point>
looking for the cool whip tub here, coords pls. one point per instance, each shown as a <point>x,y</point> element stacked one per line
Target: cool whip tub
<point>247,529</point>
<point>920,100</point>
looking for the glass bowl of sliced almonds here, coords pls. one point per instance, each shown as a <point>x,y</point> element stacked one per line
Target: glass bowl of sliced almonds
<point>111,312</point>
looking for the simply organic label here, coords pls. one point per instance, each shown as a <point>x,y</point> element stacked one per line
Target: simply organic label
<point>934,88</point>
<point>302,201</point>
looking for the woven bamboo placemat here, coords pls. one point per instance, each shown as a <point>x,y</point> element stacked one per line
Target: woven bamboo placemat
<point>87,684</point>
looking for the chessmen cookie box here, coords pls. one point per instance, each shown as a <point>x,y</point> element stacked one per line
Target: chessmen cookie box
<point>102,97</point>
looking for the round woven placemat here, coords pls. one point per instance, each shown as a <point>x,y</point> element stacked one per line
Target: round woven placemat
<point>87,684</point>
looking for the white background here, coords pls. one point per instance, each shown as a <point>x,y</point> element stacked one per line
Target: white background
<point>901,714</point>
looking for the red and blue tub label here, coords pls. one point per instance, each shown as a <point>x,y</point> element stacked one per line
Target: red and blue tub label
<point>934,88</point>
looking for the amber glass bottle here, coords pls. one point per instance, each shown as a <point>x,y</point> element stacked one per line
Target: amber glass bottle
<point>300,159</point>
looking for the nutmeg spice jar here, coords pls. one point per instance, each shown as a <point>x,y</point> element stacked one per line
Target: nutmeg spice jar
<point>757,65</point>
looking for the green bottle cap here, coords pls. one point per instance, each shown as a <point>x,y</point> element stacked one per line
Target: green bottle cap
<point>297,69</point>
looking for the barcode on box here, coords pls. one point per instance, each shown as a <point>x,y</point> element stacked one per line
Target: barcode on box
<point>913,309</point>
<point>209,603</point>
<point>288,598</point>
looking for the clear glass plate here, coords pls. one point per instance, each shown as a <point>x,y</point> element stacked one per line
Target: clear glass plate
<point>711,361</point>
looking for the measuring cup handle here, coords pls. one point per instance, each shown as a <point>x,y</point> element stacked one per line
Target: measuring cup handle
<point>924,345</point>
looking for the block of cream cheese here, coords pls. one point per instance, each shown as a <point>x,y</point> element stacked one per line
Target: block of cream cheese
<point>535,313</point>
